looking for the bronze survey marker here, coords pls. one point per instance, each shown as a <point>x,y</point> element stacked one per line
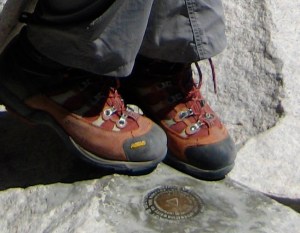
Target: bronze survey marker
<point>173,203</point>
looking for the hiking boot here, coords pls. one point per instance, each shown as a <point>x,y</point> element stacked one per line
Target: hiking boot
<point>86,110</point>
<point>198,142</point>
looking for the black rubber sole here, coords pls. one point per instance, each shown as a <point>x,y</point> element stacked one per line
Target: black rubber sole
<point>210,175</point>
<point>15,105</point>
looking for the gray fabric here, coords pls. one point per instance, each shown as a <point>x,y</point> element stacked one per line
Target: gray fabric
<point>108,42</point>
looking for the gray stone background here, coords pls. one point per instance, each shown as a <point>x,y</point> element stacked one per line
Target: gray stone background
<point>258,99</point>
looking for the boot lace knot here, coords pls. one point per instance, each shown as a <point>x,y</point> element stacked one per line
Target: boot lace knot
<point>118,107</point>
<point>195,104</point>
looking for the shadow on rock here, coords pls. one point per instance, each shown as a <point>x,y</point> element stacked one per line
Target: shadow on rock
<point>292,203</point>
<point>31,155</point>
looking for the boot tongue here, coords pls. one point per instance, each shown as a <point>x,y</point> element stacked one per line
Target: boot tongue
<point>194,100</point>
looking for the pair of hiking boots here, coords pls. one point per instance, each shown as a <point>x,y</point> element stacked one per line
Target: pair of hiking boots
<point>90,115</point>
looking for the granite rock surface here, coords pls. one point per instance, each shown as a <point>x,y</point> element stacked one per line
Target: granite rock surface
<point>115,204</point>
<point>268,161</point>
<point>258,99</point>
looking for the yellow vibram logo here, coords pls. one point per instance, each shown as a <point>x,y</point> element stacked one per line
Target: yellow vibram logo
<point>138,144</point>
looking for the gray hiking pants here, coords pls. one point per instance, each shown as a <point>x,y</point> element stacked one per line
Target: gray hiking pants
<point>105,36</point>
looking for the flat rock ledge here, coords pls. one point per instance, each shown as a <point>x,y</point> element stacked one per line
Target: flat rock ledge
<point>116,204</point>
<point>258,100</point>
<point>269,161</point>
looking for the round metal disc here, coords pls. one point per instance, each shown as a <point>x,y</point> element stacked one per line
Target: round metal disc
<point>173,203</point>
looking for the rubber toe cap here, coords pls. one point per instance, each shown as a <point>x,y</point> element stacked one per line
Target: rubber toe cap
<point>149,147</point>
<point>212,157</point>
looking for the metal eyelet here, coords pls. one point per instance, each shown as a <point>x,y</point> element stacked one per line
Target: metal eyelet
<point>194,128</point>
<point>122,122</point>
<point>209,116</point>
<point>108,112</point>
<point>184,114</point>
